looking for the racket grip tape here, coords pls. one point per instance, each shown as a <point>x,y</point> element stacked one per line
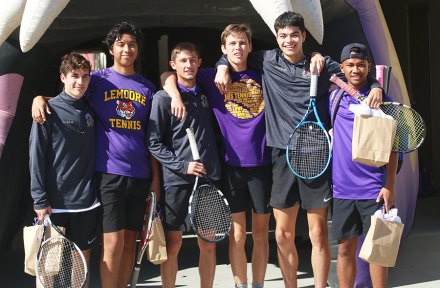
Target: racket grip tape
<point>193,144</point>
<point>314,83</point>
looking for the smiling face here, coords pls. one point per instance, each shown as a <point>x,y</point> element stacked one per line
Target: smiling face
<point>356,72</point>
<point>237,48</point>
<point>186,63</point>
<point>76,82</point>
<point>290,40</point>
<point>125,51</point>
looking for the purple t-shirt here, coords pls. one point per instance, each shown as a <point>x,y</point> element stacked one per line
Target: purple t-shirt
<point>122,105</point>
<point>351,180</point>
<point>240,115</point>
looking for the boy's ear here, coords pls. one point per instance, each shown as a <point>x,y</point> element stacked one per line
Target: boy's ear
<point>172,64</point>
<point>223,49</point>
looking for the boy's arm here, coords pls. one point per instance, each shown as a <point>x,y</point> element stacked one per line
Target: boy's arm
<point>169,84</point>
<point>222,77</point>
<point>40,108</point>
<point>155,176</point>
<point>388,191</point>
<point>157,128</point>
<point>38,143</point>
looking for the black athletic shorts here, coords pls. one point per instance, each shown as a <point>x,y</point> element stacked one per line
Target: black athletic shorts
<point>174,206</point>
<point>81,227</point>
<point>352,218</point>
<point>247,186</point>
<point>123,201</point>
<point>289,190</point>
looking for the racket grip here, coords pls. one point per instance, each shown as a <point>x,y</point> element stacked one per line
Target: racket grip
<point>134,277</point>
<point>46,220</point>
<point>314,83</point>
<point>193,144</point>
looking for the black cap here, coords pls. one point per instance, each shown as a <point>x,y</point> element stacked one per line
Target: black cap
<point>354,50</point>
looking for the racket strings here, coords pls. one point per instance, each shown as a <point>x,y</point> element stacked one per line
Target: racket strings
<point>309,150</point>
<point>60,264</point>
<point>210,214</point>
<point>410,130</point>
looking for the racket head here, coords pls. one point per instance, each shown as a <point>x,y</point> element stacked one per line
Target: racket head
<point>308,151</point>
<point>60,264</point>
<point>209,213</point>
<point>411,128</point>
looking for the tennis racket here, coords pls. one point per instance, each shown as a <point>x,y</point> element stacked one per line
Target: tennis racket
<point>410,130</point>
<point>60,263</point>
<point>308,151</point>
<point>208,209</point>
<point>145,236</point>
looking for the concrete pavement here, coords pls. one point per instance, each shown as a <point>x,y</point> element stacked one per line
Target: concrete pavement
<point>418,264</point>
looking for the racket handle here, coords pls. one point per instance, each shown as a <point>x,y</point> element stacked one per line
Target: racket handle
<point>314,83</point>
<point>134,277</point>
<point>46,220</point>
<point>193,144</point>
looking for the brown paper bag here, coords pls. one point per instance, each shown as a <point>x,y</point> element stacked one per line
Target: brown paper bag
<point>157,249</point>
<point>373,139</point>
<point>382,242</point>
<point>32,239</point>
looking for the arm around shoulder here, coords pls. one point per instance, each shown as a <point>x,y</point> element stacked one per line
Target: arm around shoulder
<point>40,109</point>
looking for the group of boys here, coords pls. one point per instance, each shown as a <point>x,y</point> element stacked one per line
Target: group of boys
<point>249,162</point>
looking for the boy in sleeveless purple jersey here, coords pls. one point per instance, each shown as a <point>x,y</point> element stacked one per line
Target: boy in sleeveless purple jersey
<point>246,174</point>
<point>358,189</point>
<point>126,172</point>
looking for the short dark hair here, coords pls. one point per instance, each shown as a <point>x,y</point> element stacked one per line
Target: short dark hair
<point>118,30</point>
<point>184,46</point>
<point>290,18</point>
<point>236,29</point>
<point>74,61</point>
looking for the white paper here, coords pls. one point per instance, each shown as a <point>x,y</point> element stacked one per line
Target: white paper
<point>390,216</point>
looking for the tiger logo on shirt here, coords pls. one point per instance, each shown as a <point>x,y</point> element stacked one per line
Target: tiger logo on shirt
<point>125,109</point>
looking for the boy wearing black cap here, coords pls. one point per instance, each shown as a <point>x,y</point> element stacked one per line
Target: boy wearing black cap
<point>358,190</point>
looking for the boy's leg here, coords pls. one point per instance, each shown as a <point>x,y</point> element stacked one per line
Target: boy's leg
<point>127,260</point>
<point>260,251</point>
<point>169,268</point>
<point>317,220</point>
<point>207,262</point>
<point>110,258</point>
<point>237,253</point>
<point>285,237</point>
<point>379,276</point>
<point>346,265</point>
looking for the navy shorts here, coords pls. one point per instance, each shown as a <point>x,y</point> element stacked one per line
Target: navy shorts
<point>81,227</point>
<point>248,186</point>
<point>123,201</point>
<point>289,190</point>
<point>352,218</point>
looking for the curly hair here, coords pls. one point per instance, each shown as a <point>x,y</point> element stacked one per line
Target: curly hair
<point>118,30</point>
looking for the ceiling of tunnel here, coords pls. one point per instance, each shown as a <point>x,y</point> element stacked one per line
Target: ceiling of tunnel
<point>85,20</point>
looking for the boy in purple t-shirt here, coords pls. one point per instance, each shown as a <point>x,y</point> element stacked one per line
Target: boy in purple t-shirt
<point>358,189</point>
<point>247,169</point>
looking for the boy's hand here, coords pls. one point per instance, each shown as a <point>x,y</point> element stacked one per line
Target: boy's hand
<point>40,109</point>
<point>223,79</point>
<point>375,98</point>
